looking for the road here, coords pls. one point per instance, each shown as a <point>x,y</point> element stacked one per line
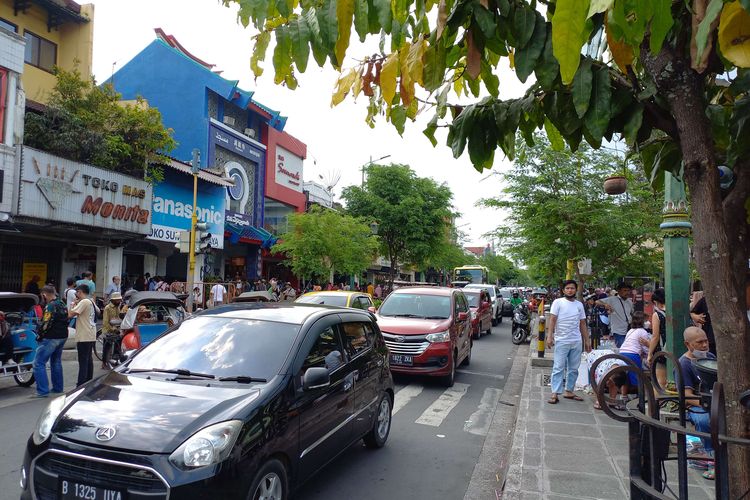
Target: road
<point>436,438</point>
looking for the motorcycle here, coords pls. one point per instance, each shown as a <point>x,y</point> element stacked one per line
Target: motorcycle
<point>521,328</point>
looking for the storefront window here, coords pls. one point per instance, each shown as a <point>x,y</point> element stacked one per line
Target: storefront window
<point>276,215</point>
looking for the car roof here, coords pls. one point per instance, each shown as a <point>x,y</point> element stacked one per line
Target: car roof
<point>331,292</point>
<point>480,285</point>
<point>437,290</point>
<point>280,312</point>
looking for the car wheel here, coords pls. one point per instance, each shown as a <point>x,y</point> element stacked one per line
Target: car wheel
<point>99,345</point>
<point>270,483</point>
<point>500,318</point>
<point>449,379</point>
<point>494,321</point>
<point>467,359</point>
<point>381,427</point>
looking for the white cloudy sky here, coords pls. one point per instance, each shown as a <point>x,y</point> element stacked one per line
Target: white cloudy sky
<point>338,140</point>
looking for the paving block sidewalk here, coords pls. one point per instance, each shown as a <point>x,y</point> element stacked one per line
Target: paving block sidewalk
<point>570,450</point>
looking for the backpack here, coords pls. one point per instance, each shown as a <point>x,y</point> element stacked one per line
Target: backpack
<point>97,312</point>
<point>59,314</point>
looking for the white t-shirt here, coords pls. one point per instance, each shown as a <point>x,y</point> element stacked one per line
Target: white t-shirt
<point>569,315</point>
<point>218,291</point>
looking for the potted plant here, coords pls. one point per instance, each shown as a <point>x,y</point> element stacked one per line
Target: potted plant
<point>615,184</point>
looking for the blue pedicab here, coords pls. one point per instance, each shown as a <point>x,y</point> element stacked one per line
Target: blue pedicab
<point>23,323</point>
<point>149,315</point>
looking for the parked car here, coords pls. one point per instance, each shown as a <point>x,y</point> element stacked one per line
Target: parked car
<point>427,331</point>
<point>495,298</point>
<point>239,401</point>
<point>255,296</point>
<point>340,298</point>
<point>481,312</point>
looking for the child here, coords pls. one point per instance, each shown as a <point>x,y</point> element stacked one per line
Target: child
<point>636,345</point>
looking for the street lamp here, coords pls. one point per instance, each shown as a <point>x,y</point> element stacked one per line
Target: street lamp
<point>370,163</point>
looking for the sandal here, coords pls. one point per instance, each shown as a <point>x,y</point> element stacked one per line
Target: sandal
<point>553,400</point>
<point>710,474</point>
<point>574,397</point>
<point>596,405</point>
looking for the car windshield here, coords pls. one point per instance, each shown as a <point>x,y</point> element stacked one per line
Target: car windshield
<point>473,299</point>
<point>223,347</point>
<point>416,306</point>
<point>324,298</point>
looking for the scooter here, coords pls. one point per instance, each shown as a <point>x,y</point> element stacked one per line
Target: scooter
<point>521,329</point>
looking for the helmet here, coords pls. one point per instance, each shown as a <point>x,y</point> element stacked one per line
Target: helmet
<point>130,342</point>
<point>515,294</point>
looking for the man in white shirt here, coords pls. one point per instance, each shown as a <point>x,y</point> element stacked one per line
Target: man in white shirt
<point>568,333</point>
<point>112,288</point>
<point>217,294</point>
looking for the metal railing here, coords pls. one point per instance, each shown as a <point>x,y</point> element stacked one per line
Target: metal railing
<point>650,437</point>
<point>180,287</point>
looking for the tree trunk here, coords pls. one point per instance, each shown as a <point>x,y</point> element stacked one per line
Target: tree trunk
<point>713,230</point>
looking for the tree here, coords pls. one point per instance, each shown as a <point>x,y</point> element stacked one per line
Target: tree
<point>557,211</point>
<point>87,123</point>
<point>448,255</point>
<point>413,213</point>
<point>669,77</point>
<point>503,270</point>
<point>323,240</point>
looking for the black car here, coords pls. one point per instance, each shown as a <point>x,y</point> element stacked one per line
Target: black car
<point>240,401</point>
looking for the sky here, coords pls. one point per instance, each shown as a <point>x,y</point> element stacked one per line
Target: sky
<point>338,139</point>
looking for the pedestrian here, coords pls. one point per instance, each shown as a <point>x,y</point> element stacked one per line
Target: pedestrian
<point>378,291</point>
<point>702,317</point>
<point>620,310</point>
<point>86,279</point>
<point>51,337</point>
<point>111,327</point>
<point>569,335</point>
<point>141,283</point>
<point>69,295</point>
<point>6,342</point>
<point>636,345</point>
<point>161,284</point>
<point>112,288</point>
<point>658,336</point>
<point>150,282</point>
<point>370,289</point>
<point>197,297</point>
<point>216,296</point>
<point>32,286</point>
<point>84,310</point>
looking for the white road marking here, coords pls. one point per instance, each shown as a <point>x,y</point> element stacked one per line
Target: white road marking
<point>482,374</point>
<point>405,395</point>
<point>479,421</point>
<point>442,406</point>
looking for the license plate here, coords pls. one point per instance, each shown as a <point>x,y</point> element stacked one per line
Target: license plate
<point>402,359</point>
<point>72,490</point>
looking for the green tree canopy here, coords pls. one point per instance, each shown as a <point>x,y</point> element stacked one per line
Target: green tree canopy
<point>413,213</point>
<point>322,240</point>
<point>503,270</point>
<point>87,123</point>
<point>556,210</point>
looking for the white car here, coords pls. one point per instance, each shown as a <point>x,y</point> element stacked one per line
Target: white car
<point>497,301</point>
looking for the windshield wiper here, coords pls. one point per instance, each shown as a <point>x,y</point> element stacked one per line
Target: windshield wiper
<point>435,317</point>
<point>407,316</point>
<point>177,371</point>
<point>242,379</point>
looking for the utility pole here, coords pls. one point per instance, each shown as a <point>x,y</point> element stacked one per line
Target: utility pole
<point>195,168</point>
<point>676,229</point>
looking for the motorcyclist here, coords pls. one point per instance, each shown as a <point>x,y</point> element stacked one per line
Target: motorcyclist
<point>516,300</point>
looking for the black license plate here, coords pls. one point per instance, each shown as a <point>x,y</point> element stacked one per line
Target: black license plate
<point>73,490</point>
<point>402,359</point>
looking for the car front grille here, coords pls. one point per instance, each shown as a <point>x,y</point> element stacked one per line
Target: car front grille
<point>111,475</point>
<point>406,344</point>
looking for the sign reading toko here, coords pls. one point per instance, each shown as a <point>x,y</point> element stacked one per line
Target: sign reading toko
<point>173,208</point>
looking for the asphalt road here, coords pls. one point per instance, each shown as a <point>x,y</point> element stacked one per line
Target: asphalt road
<point>436,438</point>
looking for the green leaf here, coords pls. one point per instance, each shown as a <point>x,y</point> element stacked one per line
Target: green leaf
<point>527,57</point>
<point>300,32</point>
<point>434,65</point>
<point>282,59</point>
<point>259,52</point>
<point>490,79</point>
<point>548,68</point>
<point>361,18</point>
<point>283,7</point>
<point>429,131</point>
<point>582,87</point>
<point>745,4</point>
<point>569,35</point>
<point>398,118</point>
<point>598,115</point>
<point>524,21</point>
<point>344,16</point>
<point>633,124</point>
<point>704,28</point>
<point>554,136</point>
<point>383,10</point>
<point>661,23</point>
<point>503,6</point>
<point>329,31</point>
<point>598,6</point>
<point>482,141</point>
<point>739,129</point>
<point>458,132</point>
<point>320,53</point>
<point>400,9</point>
<point>485,20</point>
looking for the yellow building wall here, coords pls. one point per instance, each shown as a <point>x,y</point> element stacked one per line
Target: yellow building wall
<point>75,42</point>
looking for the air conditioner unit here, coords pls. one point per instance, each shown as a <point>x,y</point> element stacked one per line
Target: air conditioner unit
<point>250,132</point>
<point>228,120</point>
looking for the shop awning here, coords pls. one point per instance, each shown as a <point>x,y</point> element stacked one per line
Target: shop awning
<point>251,234</point>
<point>203,174</point>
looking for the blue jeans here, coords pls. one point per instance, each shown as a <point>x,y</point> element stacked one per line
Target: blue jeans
<point>570,355</point>
<point>49,350</point>
<point>619,339</point>
<point>701,419</point>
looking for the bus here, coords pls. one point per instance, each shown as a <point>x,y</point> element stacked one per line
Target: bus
<point>465,275</point>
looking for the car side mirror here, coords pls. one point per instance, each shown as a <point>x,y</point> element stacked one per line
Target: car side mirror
<point>462,316</point>
<point>372,309</point>
<point>316,378</point>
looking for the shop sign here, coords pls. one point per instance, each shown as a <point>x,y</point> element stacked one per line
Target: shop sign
<point>53,188</point>
<point>173,208</point>
<point>235,144</point>
<point>288,169</point>
<point>33,270</point>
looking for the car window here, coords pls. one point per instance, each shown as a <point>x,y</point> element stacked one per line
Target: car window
<point>356,338</point>
<point>463,304</point>
<point>223,347</point>
<point>360,303</point>
<point>472,298</point>
<point>324,298</point>
<point>325,353</point>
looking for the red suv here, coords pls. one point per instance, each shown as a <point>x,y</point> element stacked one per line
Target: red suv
<point>427,331</point>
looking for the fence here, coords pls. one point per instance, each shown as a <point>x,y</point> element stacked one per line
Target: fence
<point>200,301</point>
<point>650,437</point>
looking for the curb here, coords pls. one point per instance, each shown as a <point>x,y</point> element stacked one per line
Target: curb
<point>488,477</point>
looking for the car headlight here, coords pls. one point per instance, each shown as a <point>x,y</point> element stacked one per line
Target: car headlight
<point>209,445</point>
<point>47,419</point>
<point>438,337</point>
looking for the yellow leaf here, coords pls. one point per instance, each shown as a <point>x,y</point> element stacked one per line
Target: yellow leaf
<point>569,35</point>
<point>734,34</point>
<point>458,81</point>
<point>344,16</point>
<point>512,59</point>
<point>342,87</point>
<point>415,61</point>
<point>388,75</point>
<point>621,52</point>
<point>407,83</point>
<point>442,18</point>
<point>357,87</point>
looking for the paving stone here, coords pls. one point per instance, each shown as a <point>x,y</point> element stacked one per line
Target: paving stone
<point>569,461</point>
<point>617,449</point>
<point>532,440</point>
<point>532,457</point>
<point>567,429</point>
<point>531,480</point>
<point>533,426</point>
<point>566,416</point>
<point>587,486</point>
<point>574,445</point>
<point>513,478</point>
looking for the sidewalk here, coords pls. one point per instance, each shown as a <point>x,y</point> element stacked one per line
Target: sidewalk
<point>570,450</point>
